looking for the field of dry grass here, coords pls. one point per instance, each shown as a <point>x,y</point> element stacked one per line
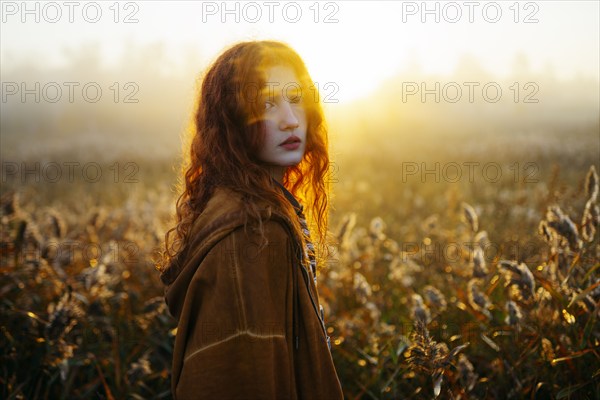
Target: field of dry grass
<point>458,287</point>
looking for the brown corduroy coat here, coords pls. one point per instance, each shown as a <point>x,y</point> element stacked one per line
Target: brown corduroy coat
<point>249,324</point>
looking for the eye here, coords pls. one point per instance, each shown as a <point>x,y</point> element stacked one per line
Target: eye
<point>269,104</point>
<point>295,99</point>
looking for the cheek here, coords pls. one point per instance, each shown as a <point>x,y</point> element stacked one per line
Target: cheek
<point>270,130</point>
<point>304,117</point>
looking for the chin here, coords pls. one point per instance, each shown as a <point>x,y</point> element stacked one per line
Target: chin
<point>288,164</point>
<point>294,162</point>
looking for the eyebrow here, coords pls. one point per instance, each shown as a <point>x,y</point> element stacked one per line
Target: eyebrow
<point>277,92</point>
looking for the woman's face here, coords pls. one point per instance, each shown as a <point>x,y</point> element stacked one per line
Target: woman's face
<point>284,120</point>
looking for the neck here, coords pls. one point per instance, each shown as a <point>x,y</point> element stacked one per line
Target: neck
<point>276,172</point>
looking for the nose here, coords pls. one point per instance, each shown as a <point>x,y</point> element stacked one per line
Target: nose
<point>287,117</point>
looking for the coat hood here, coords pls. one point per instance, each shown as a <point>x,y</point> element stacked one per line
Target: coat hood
<point>223,214</point>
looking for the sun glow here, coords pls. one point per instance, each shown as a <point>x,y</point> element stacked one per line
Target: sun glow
<point>350,47</point>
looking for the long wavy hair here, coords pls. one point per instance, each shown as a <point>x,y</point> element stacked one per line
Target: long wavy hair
<point>226,135</point>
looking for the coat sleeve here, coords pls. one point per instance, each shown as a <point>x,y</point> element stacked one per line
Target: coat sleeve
<point>240,320</point>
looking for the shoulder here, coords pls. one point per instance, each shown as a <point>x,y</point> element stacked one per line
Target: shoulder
<point>224,229</point>
<point>275,237</point>
<point>227,210</point>
<point>224,204</point>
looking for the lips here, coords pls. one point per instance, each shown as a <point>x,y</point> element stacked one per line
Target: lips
<point>291,139</point>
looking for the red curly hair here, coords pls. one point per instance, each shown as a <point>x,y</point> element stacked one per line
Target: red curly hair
<point>227,134</point>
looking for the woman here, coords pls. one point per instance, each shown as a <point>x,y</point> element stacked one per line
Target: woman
<point>240,268</point>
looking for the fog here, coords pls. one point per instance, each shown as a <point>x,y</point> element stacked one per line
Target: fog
<point>142,104</point>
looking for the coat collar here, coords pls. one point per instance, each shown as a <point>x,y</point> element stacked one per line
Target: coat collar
<point>289,196</point>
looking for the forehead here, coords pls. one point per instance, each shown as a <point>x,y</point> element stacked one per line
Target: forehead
<point>282,75</point>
